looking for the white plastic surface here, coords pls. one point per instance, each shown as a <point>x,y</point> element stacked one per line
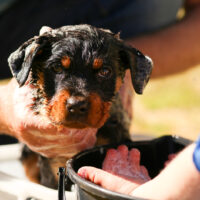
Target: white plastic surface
<point>13,182</point>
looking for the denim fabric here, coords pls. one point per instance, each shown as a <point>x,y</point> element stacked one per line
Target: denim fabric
<point>130,17</point>
<point>4,4</point>
<point>196,155</point>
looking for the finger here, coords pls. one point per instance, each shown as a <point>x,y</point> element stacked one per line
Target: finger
<point>111,154</point>
<point>110,160</point>
<point>134,159</point>
<point>106,180</point>
<point>145,173</point>
<point>123,152</point>
<point>122,161</point>
<point>171,156</point>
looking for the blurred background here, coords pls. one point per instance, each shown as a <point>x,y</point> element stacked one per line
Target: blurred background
<point>170,105</point>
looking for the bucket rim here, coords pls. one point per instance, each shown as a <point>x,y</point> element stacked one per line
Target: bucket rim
<point>93,188</point>
<point>100,191</point>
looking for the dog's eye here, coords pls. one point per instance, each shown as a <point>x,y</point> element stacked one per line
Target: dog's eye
<point>105,72</point>
<point>57,69</point>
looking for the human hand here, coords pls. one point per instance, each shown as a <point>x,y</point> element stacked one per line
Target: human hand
<point>107,180</point>
<point>125,164</point>
<point>36,130</point>
<point>123,172</point>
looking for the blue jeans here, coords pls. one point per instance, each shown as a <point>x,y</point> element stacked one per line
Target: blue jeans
<point>24,19</point>
<point>142,16</point>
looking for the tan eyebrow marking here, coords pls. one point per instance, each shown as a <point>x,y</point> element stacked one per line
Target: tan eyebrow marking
<point>39,52</point>
<point>65,61</point>
<point>97,63</point>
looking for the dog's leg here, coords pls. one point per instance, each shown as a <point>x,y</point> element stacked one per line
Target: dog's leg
<point>30,163</point>
<point>42,170</point>
<point>48,175</point>
<point>49,171</point>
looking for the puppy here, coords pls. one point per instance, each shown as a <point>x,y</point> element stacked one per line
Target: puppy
<point>68,79</point>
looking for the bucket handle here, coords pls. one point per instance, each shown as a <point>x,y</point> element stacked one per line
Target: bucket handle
<point>61,183</point>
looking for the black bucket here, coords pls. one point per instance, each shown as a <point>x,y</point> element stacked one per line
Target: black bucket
<point>154,153</point>
<point>6,139</point>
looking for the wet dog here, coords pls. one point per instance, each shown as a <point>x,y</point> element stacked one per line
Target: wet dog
<point>72,76</point>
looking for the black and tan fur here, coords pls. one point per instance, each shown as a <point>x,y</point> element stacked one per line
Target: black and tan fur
<point>76,73</point>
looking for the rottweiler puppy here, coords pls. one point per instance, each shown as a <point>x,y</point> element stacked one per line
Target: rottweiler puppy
<point>70,78</point>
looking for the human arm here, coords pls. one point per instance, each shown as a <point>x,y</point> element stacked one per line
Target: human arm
<point>36,131</point>
<point>175,48</point>
<point>6,107</point>
<point>179,180</point>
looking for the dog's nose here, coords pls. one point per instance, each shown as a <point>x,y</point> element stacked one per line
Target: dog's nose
<point>77,105</point>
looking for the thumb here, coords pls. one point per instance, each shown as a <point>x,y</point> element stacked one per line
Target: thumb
<point>107,180</point>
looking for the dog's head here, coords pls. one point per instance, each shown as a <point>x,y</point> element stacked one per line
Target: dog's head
<point>75,71</point>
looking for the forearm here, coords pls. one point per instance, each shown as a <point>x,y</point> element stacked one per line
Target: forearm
<point>179,180</point>
<point>6,106</point>
<point>175,48</point>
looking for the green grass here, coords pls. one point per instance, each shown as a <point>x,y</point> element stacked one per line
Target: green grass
<point>180,95</point>
<point>4,81</point>
<point>155,129</point>
<point>169,105</point>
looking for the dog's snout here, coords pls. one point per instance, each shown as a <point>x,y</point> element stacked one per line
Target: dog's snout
<point>77,106</point>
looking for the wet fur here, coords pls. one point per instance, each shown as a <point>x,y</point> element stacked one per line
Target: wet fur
<point>69,62</point>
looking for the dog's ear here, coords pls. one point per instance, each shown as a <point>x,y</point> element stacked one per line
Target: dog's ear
<point>140,66</point>
<point>20,61</point>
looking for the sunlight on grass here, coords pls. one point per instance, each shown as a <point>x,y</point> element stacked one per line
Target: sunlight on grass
<point>149,127</point>
<point>4,81</point>
<point>169,105</point>
<point>177,96</point>
<point>173,92</point>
